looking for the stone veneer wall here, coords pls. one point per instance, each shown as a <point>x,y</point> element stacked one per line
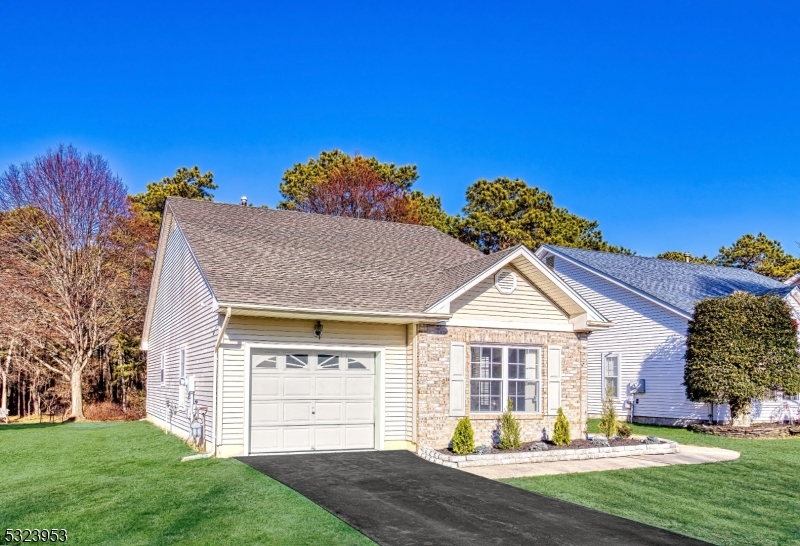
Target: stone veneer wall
<point>434,424</point>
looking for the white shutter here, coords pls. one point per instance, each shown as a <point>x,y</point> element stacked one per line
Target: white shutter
<point>458,368</point>
<point>533,377</point>
<point>553,380</point>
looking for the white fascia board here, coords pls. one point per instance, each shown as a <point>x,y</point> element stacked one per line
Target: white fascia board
<point>245,309</point>
<point>161,248</point>
<point>593,315</point>
<point>443,305</point>
<point>652,299</point>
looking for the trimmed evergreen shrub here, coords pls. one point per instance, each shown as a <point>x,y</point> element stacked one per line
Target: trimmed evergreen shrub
<point>561,435</point>
<point>624,430</point>
<point>739,348</point>
<point>509,430</point>
<point>464,437</point>
<point>608,417</point>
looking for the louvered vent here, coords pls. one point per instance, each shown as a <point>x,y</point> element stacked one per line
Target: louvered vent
<point>505,281</point>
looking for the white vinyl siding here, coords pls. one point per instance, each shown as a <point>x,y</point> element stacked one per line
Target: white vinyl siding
<point>484,302</point>
<point>183,317</point>
<point>392,337</point>
<point>651,340</point>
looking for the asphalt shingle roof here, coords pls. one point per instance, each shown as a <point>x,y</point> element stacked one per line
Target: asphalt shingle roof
<point>299,260</point>
<point>679,284</point>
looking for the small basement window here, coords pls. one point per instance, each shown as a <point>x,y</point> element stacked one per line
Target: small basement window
<point>505,281</point>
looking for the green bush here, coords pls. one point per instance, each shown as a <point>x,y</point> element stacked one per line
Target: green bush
<point>509,430</point>
<point>624,430</point>
<point>464,438</point>
<point>739,348</point>
<point>561,435</point>
<point>608,417</point>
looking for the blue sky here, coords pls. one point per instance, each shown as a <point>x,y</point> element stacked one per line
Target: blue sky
<point>676,125</point>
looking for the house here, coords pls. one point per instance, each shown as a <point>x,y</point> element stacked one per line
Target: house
<point>303,332</point>
<point>651,302</point>
<point>794,280</point>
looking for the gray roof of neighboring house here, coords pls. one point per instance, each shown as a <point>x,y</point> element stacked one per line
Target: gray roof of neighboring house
<point>299,260</point>
<point>679,284</point>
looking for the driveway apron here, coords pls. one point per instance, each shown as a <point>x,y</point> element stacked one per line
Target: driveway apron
<point>397,498</point>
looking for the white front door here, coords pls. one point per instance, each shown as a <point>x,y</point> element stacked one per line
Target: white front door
<point>311,400</point>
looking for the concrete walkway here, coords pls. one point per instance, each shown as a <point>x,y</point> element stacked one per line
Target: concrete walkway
<point>686,455</point>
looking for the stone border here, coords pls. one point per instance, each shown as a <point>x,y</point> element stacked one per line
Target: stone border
<point>518,457</point>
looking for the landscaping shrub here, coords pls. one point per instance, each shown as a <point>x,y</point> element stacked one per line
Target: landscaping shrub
<point>561,435</point>
<point>509,430</point>
<point>624,430</point>
<point>464,437</point>
<point>608,417</point>
<point>739,348</point>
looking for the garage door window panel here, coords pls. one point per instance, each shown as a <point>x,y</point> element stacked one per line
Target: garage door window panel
<point>328,362</point>
<point>297,362</point>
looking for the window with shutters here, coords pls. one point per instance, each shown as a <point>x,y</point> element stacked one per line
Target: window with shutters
<point>502,374</point>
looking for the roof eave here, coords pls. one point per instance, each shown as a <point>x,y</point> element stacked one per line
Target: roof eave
<point>345,315</point>
<point>545,248</point>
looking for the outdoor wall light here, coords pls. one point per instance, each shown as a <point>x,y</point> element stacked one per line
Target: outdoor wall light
<point>318,330</point>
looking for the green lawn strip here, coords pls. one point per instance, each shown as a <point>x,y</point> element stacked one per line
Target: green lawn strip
<point>752,500</point>
<point>123,483</point>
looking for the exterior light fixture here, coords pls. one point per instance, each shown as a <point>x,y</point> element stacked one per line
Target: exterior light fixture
<point>318,330</point>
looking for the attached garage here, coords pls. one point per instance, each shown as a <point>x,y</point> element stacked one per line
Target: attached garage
<point>310,400</point>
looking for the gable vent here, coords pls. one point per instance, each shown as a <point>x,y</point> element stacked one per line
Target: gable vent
<point>505,281</point>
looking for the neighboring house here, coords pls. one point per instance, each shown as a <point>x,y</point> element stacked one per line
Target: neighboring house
<point>650,301</point>
<point>303,332</point>
<point>794,280</point>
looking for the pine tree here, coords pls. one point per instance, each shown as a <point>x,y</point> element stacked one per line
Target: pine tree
<point>608,418</point>
<point>561,435</point>
<point>509,430</point>
<point>464,438</point>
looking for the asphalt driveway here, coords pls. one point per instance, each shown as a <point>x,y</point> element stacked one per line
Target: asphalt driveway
<point>396,498</point>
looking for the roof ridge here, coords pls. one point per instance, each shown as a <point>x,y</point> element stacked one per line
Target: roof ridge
<point>268,209</point>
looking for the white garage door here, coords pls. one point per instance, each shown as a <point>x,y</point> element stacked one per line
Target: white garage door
<point>306,401</point>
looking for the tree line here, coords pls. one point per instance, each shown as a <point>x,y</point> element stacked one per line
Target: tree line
<point>77,253</point>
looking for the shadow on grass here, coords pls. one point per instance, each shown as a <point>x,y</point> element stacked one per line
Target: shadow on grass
<point>21,426</point>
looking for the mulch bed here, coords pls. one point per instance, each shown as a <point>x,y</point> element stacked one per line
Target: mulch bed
<point>576,444</point>
<point>760,430</point>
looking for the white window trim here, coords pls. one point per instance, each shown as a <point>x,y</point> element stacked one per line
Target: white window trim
<point>504,390</point>
<point>618,356</point>
<point>182,358</point>
<point>162,371</point>
<point>380,381</point>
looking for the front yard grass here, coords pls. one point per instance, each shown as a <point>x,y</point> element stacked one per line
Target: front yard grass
<point>752,500</point>
<point>123,483</point>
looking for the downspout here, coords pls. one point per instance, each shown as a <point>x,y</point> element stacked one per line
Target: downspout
<point>217,406</point>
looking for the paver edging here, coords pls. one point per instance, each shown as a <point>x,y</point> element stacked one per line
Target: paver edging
<point>520,457</point>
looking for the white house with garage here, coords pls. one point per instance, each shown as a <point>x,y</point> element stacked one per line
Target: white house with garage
<point>295,332</point>
<point>650,301</point>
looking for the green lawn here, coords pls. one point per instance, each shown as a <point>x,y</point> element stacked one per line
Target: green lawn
<point>123,483</point>
<point>753,500</point>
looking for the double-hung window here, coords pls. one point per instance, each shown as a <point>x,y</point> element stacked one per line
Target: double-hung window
<point>611,375</point>
<point>502,374</point>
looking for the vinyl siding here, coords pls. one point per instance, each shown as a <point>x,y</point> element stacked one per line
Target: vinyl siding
<point>391,337</point>
<point>526,304</point>
<point>650,340</point>
<point>183,315</point>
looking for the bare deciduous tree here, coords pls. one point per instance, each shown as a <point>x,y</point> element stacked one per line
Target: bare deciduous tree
<point>74,272</point>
